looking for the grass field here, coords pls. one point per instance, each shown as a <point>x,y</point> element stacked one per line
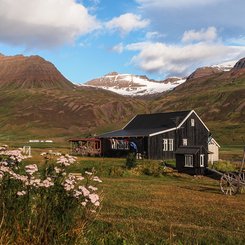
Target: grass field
<point>170,209</point>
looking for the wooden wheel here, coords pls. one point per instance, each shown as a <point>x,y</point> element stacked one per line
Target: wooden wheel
<point>229,183</point>
<point>242,182</point>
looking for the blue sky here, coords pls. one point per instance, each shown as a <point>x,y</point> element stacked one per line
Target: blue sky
<point>159,38</point>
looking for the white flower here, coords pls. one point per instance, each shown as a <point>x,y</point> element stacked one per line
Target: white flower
<point>93,188</point>
<point>84,204</point>
<point>21,193</point>
<point>31,169</point>
<point>97,179</point>
<point>88,173</point>
<point>94,198</point>
<point>84,190</point>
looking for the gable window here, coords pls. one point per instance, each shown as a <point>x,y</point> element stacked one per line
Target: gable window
<point>193,122</point>
<point>170,144</point>
<point>202,160</point>
<point>184,142</point>
<point>189,161</point>
<point>165,144</point>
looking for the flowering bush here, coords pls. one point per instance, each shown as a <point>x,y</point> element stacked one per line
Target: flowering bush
<point>47,205</point>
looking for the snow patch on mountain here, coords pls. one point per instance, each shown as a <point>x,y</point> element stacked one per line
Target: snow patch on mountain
<point>133,85</point>
<point>226,66</point>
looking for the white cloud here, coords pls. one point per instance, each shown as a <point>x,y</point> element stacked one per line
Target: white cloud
<point>39,23</point>
<point>126,23</point>
<point>210,34</point>
<point>178,59</point>
<point>153,35</point>
<point>118,48</point>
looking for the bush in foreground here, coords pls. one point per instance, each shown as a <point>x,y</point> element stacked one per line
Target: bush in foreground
<point>47,206</point>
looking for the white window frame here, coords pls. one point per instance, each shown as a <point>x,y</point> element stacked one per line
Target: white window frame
<point>165,144</point>
<point>189,161</point>
<point>192,122</point>
<point>185,142</point>
<point>171,144</point>
<point>202,160</point>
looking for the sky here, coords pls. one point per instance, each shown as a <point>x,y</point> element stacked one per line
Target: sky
<point>87,39</point>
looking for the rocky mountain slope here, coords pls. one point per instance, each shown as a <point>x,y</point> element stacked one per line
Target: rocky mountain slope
<point>133,85</point>
<point>30,72</point>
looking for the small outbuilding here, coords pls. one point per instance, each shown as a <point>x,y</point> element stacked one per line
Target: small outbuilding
<point>213,148</point>
<point>191,159</point>
<point>86,146</point>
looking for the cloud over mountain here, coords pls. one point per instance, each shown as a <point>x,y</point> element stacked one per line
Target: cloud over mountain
<point>181,58</point>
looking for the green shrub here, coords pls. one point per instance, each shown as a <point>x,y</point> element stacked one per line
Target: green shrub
<point>224,166</point>
<point>131,160</point>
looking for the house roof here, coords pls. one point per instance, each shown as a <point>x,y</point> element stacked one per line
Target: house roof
<point>189,149</point>
<point>151,124</point>
<point>157,120</point>
<point>129,133</point>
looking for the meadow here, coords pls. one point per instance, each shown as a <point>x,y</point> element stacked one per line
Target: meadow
<point>168,209</point>
<point>151,204</point>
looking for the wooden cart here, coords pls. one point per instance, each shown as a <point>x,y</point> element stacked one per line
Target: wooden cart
<point>233,182</point>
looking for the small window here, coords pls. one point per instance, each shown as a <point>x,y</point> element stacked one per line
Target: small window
<point>171,144</point>
<point>184,141</point>
<point>202,160</point>
<point>189,161</point>
<point>165,144</point>
<point>193,122</point>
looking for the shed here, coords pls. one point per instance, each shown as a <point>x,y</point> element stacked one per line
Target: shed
<point>191,159</point>
<point>86,146</point>
<point>213,147</point>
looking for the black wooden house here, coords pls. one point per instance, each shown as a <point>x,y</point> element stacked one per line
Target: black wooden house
<point>162,136</point>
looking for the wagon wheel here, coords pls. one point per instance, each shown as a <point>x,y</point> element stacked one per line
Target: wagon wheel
<point>242,182</point>
<point>229,183</point>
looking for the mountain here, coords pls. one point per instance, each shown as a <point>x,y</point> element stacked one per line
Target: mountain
<point>204,71</point>
<point>133,85</point>
<point>30,72</point>
<point>37,102</point>
<point>218,97</point>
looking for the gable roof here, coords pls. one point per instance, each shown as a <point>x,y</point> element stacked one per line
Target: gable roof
<point>152,124</point>
<point>157,120</point>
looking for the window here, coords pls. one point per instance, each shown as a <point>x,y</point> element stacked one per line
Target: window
<point>189,161</point>
<point>202,160</point>
<point>165,144</point>
<point>170,144</point>
<point>184,141</point>
<point>192,122</point>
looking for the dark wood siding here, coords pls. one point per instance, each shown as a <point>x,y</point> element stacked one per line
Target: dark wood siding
<point>156,146</point>
<point>197,135</point>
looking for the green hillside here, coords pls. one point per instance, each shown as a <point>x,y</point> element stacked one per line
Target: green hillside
<point>61,114</point>
<point>219,99</point>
